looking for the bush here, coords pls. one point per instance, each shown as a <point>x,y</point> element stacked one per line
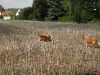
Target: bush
<point>31,17</point>
<point>94,21</point>
<point>47,19</point>
<point>66,19</point>
<point>1,17</point>
<point>13,18</point>
<point>17,17</point>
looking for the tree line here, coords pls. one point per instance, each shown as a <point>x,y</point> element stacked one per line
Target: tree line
<point>80,11</point>
<point>1,9</point>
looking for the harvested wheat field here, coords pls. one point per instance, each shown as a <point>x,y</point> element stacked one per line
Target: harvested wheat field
<point>22,53</point>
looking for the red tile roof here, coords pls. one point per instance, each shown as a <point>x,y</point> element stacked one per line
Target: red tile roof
<point>4,13</point>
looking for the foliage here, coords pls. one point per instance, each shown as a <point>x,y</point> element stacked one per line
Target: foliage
<point>1,8</point>
<point>67,6</point>
<point>95,21</point>
<point>31,16</point>
<point>17,17</point>
<point>47,19</point>
<point>55,11</point>
<point>83,16</point>
<point>1,17</point>
<point>67,19</point>
<point>40,9</point>
<point>82,11</point>
<point>11,14</point>
<point>25,12</point>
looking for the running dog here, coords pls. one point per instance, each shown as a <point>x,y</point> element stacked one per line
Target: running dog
<point>45,37</point>
<point>90,40</point>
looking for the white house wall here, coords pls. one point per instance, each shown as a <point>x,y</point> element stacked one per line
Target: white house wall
<point>0,13</point>
<point>6,17</point>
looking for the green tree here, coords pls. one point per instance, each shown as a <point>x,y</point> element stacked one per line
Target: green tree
<point>1,8</point>
<point>55,11</point>
<point>25,12</point>
<point>40,9</point>
<point>11,14</point>
<point>84,7</point>
<point>66,7</point>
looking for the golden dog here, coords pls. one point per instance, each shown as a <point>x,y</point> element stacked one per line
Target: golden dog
<point>90,40</point>
<point>45,37</point>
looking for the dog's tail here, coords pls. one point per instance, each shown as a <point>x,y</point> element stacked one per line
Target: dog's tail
<point>98,43</point>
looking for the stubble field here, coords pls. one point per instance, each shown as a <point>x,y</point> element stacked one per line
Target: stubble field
<point>21,52</point>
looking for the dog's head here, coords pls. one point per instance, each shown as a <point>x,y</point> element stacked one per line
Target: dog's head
<point>49,38</point>
<point>84,36</point>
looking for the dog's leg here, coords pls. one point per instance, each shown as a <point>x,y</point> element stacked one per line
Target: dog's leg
<point>86,45</point>
<point>93,45</point>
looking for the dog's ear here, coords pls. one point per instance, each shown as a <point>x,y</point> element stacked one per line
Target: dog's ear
<point>82,36</point>
<point>38,34</point>
<point>51,36</point>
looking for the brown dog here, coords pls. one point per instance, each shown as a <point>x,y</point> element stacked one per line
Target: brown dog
<point>45,37</point>
<point>90,40</point>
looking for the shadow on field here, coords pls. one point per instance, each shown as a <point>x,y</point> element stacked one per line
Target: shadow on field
<point>98,46</point>
<point>11,29</point>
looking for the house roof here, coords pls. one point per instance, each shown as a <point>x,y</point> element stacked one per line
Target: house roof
<point>4,13</point>
<point>14,10</point>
